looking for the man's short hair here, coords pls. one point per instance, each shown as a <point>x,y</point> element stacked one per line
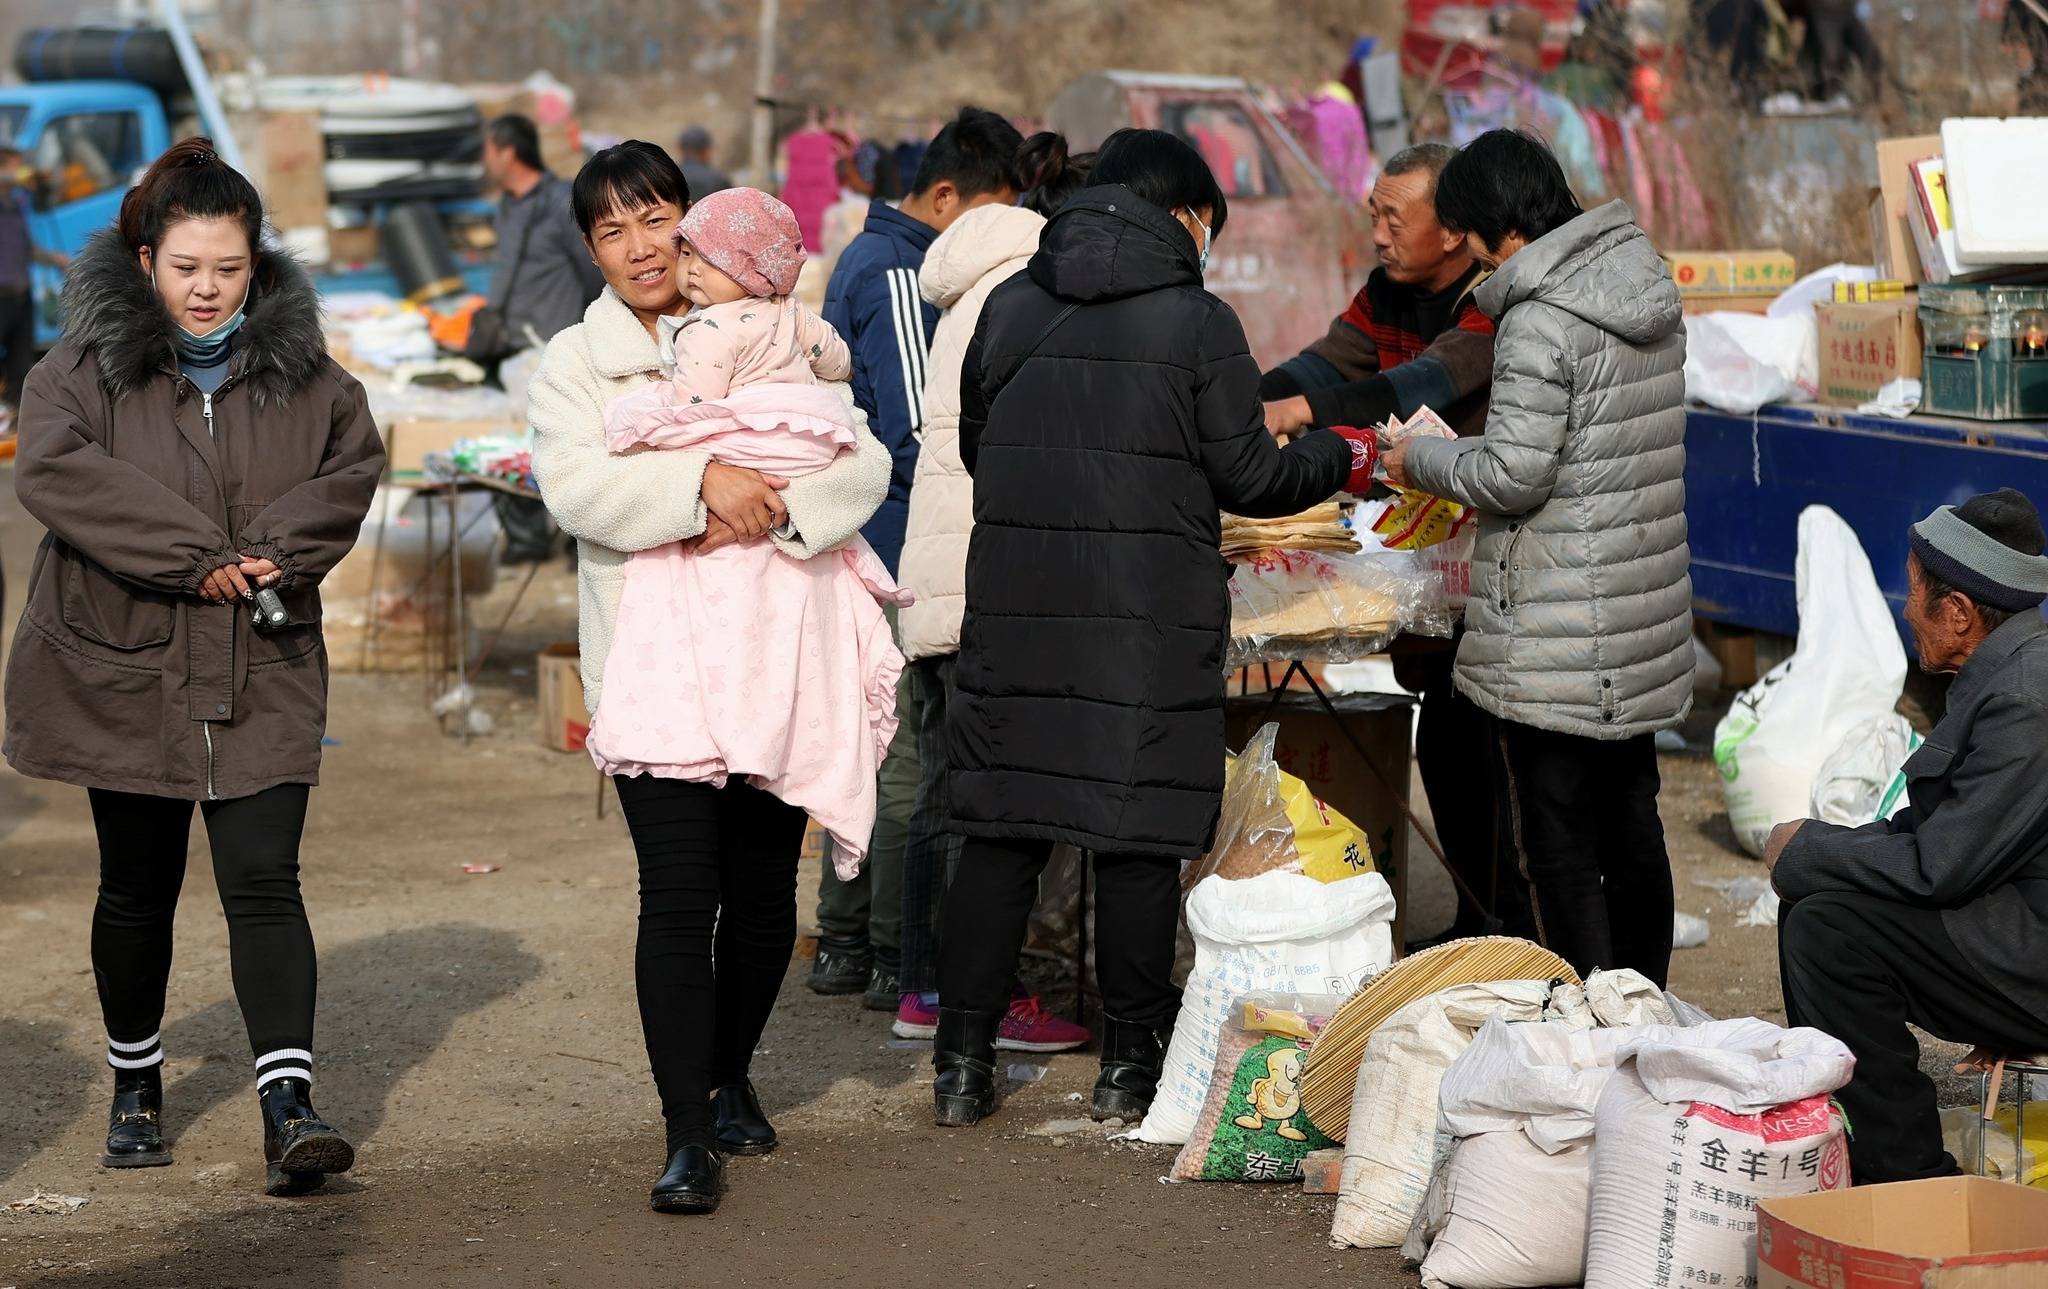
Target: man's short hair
<point>1430,157</point>
<point>976,153</point>
<point>696,139</point>
<point>518,134</point>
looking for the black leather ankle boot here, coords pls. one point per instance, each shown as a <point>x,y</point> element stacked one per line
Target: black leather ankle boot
<point>737,1122</point>
<point>1132,1058</point>
<point>299,1148</point>
<point>135,1130</point>
<point>694,1181</point>
<point>964,1055</point>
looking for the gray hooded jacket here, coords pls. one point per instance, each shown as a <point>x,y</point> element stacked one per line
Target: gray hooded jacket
<point>1581,613</point>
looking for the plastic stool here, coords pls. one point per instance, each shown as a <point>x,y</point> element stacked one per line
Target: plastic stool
<point>1994,1068</point>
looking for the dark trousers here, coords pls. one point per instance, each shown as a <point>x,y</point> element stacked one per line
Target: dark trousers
<point>1587,836</point>
<point>18,338</point>
<point>1137,913</point>
<point>1862,968</point>
<point>863,916</point>
<point>930,853</point>
<point>717,926</point>
<point>1457,752</point>
<point>255,843</point>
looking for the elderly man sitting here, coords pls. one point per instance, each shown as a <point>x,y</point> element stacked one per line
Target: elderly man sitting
<point>1939,915</point>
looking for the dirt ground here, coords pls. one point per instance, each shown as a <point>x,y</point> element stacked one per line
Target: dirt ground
<point>479,1042</point>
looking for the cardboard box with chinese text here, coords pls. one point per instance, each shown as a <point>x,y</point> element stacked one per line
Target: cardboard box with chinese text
<point>1766,272</point>
<point>1948,1233</point>
<point>1864,347</point>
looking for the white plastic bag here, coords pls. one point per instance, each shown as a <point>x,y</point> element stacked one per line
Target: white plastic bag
<point>1847,668</point>
<point>1280,932</point>
<point>1391,1147</point>
<point>1738,362</point>
<point>1862,780</point>
<point>1694,1129</point>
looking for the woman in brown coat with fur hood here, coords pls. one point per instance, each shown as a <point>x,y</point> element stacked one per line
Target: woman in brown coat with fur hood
<point>187,445</point>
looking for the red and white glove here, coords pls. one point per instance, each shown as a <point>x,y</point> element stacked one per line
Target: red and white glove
<point>1365,454</point>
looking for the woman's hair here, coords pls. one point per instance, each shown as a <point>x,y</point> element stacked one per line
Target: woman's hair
<point>624,178</point>
<point>1505,181</point>
<point>1163,169</point>
<point>190,181</point>
<point>1044,175</point>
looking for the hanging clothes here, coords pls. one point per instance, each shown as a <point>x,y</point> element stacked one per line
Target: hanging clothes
<point>811,181</point>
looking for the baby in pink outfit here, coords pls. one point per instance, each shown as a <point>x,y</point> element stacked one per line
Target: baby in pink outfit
<point>745,660</point>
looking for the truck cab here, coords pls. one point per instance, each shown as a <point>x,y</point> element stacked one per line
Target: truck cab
<point>1294,251</point>
<point>85,140</point>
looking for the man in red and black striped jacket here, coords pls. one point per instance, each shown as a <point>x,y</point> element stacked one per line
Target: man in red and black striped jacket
<point>1412,337</point>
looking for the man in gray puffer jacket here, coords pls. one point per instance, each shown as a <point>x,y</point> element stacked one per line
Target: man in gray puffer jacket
<point>1578,633</point>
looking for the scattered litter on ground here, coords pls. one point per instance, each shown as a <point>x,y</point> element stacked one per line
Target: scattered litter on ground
<point>1025,1072</point>
<point>328,740</point>
<point>49,1202</point>
<point>907,1044</point>
<point>1753,895</point>
<point>481,868</point>
<point>1060,1127</point>
<point>1688,932</point>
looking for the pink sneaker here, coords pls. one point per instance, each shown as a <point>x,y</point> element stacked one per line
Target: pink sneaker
<point>916,1017</point>
<point>1030,1028</point>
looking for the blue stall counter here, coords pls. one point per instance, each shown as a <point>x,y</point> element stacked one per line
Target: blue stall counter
<point>1748,477</point>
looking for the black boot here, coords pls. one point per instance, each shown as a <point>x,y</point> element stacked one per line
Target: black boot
<point>135,1132</point>
<point>299,1148</point>
<point>964,1054</point>
<point>1132,1058</point>
<point>737,1121</point>
<point>693,1183</point>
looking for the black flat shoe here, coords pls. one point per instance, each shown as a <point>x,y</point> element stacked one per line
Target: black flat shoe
<point>299,1148</point>
<point>1133,1056</point>
<point>836,972</point>
<point>737,1121</point>
<point>964,1056</point>
<point>884,990</point>
<point>693,1183</point>
<point>135,1134</point>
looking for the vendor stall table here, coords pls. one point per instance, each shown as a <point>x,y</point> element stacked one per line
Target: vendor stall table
<point>1748,477</point>
<point>451,490</point>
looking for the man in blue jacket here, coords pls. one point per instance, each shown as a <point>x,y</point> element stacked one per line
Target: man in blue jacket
<point>874,302</point>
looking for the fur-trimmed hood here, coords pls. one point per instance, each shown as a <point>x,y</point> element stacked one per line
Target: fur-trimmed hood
<point>113,312</point>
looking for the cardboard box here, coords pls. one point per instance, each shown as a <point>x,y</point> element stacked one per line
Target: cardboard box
<point>1949,1233</point>
<point>1715,302</point>
<point>294,170</point>
<point>349,246</point>
<point>1864,347</point>
<point>1899,258</point>
<point>407,442</point>
<point>564,720</point>
<point>1766,272</point>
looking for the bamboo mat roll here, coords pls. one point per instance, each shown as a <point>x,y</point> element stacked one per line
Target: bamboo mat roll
<point>1331,1073</point>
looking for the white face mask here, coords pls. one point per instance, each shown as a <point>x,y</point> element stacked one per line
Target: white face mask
<point>1208,238</point>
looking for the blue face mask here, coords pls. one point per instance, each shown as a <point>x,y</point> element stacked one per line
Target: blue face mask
<point>1208,240</point>
<point>207,350</point>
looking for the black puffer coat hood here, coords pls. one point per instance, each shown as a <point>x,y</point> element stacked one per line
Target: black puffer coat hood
<point>1109,407</point>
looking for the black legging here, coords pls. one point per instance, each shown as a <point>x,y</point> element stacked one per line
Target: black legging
<point>255,842</point>
<point>1137,914</point>
<point>717,926</point>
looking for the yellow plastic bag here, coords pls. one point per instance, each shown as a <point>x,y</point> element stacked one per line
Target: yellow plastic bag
<point>1417,521</point>
<point>1272,822</point>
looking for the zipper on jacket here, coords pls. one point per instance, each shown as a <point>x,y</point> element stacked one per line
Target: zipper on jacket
<point>206,728</point>
<point>206,408</point>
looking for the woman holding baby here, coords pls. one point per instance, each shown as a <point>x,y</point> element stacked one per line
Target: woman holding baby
<point>737,507</point>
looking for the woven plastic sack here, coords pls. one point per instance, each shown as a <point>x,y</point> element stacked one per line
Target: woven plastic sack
<point>1253,1128</point>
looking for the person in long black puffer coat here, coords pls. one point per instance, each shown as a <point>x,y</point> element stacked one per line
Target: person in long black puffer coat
<point>1109,409</point>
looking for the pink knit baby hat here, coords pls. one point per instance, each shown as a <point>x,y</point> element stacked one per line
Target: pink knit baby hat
<point>750,237</point>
